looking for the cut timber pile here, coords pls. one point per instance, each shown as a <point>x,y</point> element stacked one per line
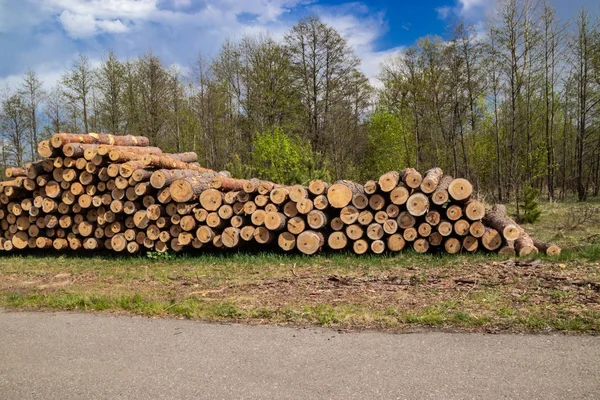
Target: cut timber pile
<point>100,191</point>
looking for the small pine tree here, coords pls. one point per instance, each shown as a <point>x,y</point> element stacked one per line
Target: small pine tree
<point>531,207</point>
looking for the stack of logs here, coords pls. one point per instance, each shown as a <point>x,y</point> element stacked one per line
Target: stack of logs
<point>100,191</point>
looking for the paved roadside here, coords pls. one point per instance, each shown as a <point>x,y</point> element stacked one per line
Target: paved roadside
<point>91,356</point>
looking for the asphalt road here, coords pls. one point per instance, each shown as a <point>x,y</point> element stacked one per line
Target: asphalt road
<point>89,356</point>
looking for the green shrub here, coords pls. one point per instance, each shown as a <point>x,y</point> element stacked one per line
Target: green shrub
<point>531,207</point>
<point>284,159</point>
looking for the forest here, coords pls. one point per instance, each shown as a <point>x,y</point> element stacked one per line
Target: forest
<point>512,105</point>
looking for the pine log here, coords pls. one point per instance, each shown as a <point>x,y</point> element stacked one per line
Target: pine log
<point>381,217</point>
<point>491,239</point>
<point>433,217</point>
<point>440,195</point>
<point>317,187</point>
<point>296,225</point>
<point>396,242</point>
<point>354,231</point>
<point>378,246</point>
<point>371,187</point>
<point>376,202</point>
<point>417,204</point>
<point>497,218</point>
<point>337,240</point>
<point>525,246</point>
<point>309,242</point>
<point>474,210</point>
<point>399,195</point>
<point>431,180</point>
<point>60,139</point>
<point>360,246</point>
<point>454,212</point>
<point>349,215</point>
<point>286,241</point>
<point>230,237</point>
<point>340,194</point>
<point>547,248</point>
<point>275,221</point>
<point>470,244</point>
<point>14,172</point>
<point>421,245</point>
<point>45,150</point>
<point>410,234</point>
<point>435,239</point>
<point>388,181</point>
<point>452,245</point>
<point>460,189</point>
<point>360,201</point>
<point>411,177</point>
<point>461,227</point>
<point>477,229</point>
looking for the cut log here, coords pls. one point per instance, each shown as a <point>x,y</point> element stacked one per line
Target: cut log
<point>477,229</point>
<point>376,202</point>
<point>435,239</point>
<point>405,220</point>
<point>474,210</point>
<point>354,231</point>
<point>296,225</point>
<point>433,217</point>
<point>399,195</point>
<point>440,195</point>
<point>275,221</point>
<point>361,246</point>
<point>360,201</point>
<point>417,204</point>
<point>547,248</point>
<point>411,177</point>
<point>337,240</point>
<point>395,242</point>
<point>460,189</point>
<point>210,199</point>
<point>454,212</point>
<point>421,245</point>
<point>286,241</point>
<point>340,194</point>
<point>525,246</point>
<point>431,180</point>
<point>230,237</point>
<point>60,139</point>
<point>461,227</point>
<point>317,219</point>
<point>410,234</point>
<point>388,181</point>
<point>470,244</point>
<point>371,187</point>
<point>46,150</point>
<point>297,193</point>
<point>309,242</point>
<point>497,218</point>
<point>452,245</point>
<point>375,231</point>
<point>349,215</point>
<point>491,239</point>
<point>317,187</point>
<point>424,229</point>
<point>378,246</point>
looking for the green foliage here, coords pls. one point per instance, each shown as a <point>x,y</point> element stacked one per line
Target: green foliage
<point>531,207</point>
<point>388,148</point>
<point>156,256</point>
<point>238,168</point>
<point>281,158</point>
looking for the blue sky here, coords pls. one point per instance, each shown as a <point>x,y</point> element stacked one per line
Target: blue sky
<point>47,35</point>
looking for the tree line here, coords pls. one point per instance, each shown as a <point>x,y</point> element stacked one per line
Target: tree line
<point>511,107</point>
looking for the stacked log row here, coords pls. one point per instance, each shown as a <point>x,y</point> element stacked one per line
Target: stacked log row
<point>118,193</point>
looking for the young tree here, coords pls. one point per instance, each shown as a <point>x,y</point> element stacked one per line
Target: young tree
<point>32,94</point>
<point>110,82</point>
<point>77,83</point>
<point>13,121</point>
